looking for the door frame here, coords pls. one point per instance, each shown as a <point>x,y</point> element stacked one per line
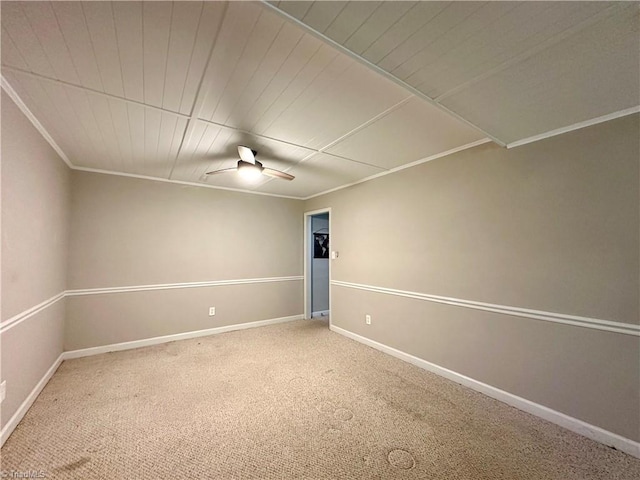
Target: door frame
<point>308,252</point>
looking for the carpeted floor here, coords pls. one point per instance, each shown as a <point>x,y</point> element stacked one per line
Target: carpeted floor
<point>286,401</point>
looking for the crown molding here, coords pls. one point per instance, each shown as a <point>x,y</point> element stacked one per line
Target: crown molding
<point>6,86</point>
<point>482,141</point>
<point>181,182</point>
<point>576,126</point>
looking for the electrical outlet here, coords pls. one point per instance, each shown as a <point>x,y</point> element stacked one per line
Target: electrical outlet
<point>212,311</point>
<point>367,319</point>
<point>3,390</point>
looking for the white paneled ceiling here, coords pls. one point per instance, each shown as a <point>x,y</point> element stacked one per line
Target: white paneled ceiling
<point>412,131</point>
<point>513,69</point>
<point>332,92</point>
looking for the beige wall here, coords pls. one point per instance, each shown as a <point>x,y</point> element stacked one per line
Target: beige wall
<point>132,232</point>
<point>551,226</point>
<point>35,220</point>
<point>95,320</point>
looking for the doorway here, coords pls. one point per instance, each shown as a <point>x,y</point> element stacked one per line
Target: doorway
<point>317,264</point>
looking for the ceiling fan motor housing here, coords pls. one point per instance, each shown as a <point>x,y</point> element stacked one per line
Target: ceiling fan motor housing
<point>250,168</point>
<point>242,164</point>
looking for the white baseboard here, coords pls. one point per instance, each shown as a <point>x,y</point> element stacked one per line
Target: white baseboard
<point>323,313</point>
<point>115,347</point>
<point>570,423</point>
<point>13,422</point>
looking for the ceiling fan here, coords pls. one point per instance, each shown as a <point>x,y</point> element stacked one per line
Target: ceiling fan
<point>249,168</point>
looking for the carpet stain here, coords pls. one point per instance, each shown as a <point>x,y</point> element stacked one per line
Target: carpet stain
<point>297,382</point>
<point>333,432</point>
<point>326,407</point>
<point>401,459</point>
<point>73,466</point>
<point>343,414</point>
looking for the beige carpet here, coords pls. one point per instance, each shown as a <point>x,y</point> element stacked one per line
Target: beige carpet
<point>287,401</point>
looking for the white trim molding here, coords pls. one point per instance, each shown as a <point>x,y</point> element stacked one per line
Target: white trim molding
<point>145,342</point>
<point>171,286</point>
<point>435,156</point>
<point>575,320</point>
<point>308,259</point>
<point>179,182</point>
<point>20,317</point>
<point>6,86</point>
<point>575,126</point>
<point>570,423</point>
<point>13,422</point>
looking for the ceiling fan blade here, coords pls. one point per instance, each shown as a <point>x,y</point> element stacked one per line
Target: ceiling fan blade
<point>246,154</point>
<point>277,174</point>
<point>223,170</point>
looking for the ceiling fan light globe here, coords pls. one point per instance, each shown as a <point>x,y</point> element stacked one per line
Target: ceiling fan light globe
<point>249,173</point>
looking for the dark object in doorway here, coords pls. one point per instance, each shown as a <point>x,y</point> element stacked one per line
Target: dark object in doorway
<point>320,245</point>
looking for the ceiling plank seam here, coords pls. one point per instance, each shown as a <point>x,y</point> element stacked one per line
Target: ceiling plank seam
<point>379,70</point>
<point>200,95</point>
<point>347,135</point>
<point>553,40</point>
<point>92,91</point>
<point>314,151</point>
<point>403,167</point>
